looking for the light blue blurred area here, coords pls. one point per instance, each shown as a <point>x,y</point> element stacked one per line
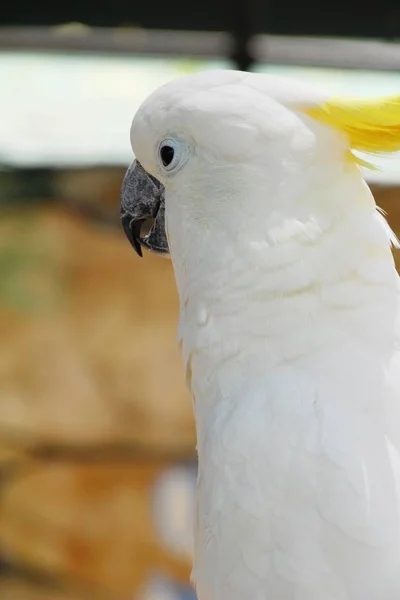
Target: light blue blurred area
<point>161,589</point>
<point>352,82</point>
<point>75,108</point>
<point>173,507</point>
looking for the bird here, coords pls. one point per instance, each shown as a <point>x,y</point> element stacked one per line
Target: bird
<point>254,186</point>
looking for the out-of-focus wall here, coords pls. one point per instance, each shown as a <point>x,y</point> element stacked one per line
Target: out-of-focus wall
<point>93,410</point>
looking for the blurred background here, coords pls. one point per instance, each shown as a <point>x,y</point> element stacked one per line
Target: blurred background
<point>97,459</point>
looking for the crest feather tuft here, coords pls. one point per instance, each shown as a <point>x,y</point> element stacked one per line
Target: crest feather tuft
<point>371,124</point>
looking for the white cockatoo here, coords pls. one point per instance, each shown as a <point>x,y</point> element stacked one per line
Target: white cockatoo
<point>289,306</point>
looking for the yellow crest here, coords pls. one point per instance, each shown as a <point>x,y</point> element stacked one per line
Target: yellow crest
<point>371,124</point>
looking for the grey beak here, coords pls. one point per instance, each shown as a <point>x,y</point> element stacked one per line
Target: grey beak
<point>142,198</point>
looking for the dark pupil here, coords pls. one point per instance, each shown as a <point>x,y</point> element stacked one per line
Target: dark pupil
<point>167,154</point>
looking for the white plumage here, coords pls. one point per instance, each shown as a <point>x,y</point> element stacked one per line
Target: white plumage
<point>289,307</point>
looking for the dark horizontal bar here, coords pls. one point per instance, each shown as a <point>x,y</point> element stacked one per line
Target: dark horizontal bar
<point>326,52</point>
<point>305,51</point>
<point>120,41</point>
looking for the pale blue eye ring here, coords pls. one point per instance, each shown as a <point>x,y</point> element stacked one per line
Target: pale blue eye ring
<point>171,154</point>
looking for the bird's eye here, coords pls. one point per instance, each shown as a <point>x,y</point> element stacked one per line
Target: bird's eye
<point>167,155</point>
<point>173,153</point>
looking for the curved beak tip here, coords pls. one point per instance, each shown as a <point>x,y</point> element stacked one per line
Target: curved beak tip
<point>132,232</point>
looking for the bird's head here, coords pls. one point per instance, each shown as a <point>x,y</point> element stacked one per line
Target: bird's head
<point>217,152</point>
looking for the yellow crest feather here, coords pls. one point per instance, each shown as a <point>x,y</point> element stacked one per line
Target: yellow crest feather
<point>371,124</point>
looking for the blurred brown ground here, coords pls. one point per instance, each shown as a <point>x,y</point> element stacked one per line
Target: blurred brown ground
<point>93,406</point>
